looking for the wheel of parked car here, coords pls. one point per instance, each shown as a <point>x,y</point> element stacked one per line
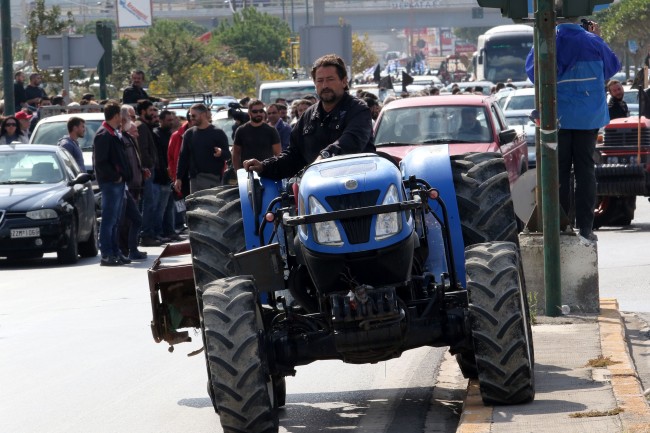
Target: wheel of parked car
<point>69,254</point>
<point>89,247</point>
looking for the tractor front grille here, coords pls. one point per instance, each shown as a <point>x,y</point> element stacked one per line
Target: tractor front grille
<point>357,230</point>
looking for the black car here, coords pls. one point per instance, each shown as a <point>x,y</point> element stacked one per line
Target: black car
<point>46,204</point>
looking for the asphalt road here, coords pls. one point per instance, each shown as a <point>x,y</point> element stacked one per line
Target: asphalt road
<point>77,355</point>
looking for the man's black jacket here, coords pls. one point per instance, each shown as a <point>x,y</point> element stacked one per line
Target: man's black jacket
<point>346,129</point>
<point>617,109</point>
<point>109,158</point>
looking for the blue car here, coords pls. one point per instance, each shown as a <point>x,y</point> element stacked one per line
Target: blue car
<point>46,204</point>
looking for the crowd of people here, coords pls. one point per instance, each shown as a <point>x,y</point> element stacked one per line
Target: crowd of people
<point>146,159</point>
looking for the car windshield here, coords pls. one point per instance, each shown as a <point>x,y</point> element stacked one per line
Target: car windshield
<point>520,102</point>
<point>51,133</point>
<point>21,167</point>
<point>433,125</point>
<point>517,120</point>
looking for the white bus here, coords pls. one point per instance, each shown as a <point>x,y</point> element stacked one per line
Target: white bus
<point>501,53</point>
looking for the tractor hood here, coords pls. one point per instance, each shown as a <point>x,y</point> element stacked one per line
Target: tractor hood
<point>350,182</point>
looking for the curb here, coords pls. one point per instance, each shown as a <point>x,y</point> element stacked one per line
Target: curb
<point>477,418</point>
<point>624,378</point>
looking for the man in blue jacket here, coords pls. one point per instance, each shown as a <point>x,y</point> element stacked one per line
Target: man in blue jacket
<point>584,64</point>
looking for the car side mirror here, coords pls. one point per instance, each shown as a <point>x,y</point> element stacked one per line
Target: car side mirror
<point>81,178</point>
<point>507,136</point>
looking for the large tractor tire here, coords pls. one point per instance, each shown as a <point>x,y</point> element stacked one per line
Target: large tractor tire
<point>486,213</point>
<point>214,218</point>
<point>483,196</point>
<point>500,325</point>
<point>614,211</point>
<point>243,390</point>
<point>216,229</point>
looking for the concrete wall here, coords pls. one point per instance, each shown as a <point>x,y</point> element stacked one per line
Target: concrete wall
<point>579,269</point>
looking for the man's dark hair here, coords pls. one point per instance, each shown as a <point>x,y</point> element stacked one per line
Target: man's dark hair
<point>370,102</point>
<point>32,75</point>
<point>74,122</point>
<point>164,113</point>
<point>254,102</point>
<point>88,96</point>
<point>201,107</point>
<point>138,71</point>
<point>330,60</point>
<point>111,109</point>
<point>57,100</point>
<point>18,73</point>
<point>611,83</point>
<point>143,105</point>
<point>278,106</point>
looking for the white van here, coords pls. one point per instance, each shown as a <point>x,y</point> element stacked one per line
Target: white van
<point>287,89</point>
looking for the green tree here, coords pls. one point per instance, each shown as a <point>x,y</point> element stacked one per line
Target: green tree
<point>363,56</point>
<point>125,58</point>
<point>43,21</point>
<point>626,20</point>
<point>168,48</point>
<point>257,36</point>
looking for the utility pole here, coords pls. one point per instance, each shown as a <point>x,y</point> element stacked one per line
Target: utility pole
<point>7,57</point>
<point>546,82</point>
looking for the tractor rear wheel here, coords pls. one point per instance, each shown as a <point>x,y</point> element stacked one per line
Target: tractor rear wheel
<point>214,218</point>
<point>500,325</point>
<point>486,213</point>
<point>216,230</point>
<point>244,392</point>
<point>483,196</point>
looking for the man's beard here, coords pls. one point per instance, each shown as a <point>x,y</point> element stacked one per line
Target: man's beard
<point>328,95</point>
<point>257,119</point>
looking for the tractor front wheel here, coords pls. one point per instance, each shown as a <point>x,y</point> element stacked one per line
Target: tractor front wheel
<point>500,325</point>
<point>244,393</point>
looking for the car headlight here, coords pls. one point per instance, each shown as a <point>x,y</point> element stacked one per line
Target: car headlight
<point>388,224</point>
<point>612,160</point>
<point>41,214</point>
<point>326,233</point>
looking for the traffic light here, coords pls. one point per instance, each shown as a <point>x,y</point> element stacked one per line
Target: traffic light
<point>515,9</point>
<point>578,8</point>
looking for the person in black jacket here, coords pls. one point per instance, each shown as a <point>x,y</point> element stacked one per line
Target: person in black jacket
<point>338,124</point>
<point>616,105</point>
<point>112,171</point>
<point>135,93</point>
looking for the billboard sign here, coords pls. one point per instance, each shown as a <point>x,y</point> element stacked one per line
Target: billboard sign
<point>134,13</point>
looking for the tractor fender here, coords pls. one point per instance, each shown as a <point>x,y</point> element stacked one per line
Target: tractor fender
<point>432,164</point>
<point>270,189</point>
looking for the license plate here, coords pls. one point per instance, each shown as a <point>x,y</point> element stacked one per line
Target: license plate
<point>25,233</point>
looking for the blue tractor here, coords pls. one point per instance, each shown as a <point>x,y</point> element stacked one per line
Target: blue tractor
<point>357,259</point>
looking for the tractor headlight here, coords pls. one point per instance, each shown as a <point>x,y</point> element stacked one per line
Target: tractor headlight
<point>388,224</point>
<point>326,233</point>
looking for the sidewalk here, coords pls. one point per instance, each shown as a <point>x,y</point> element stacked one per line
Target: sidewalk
<point>571,396</point>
